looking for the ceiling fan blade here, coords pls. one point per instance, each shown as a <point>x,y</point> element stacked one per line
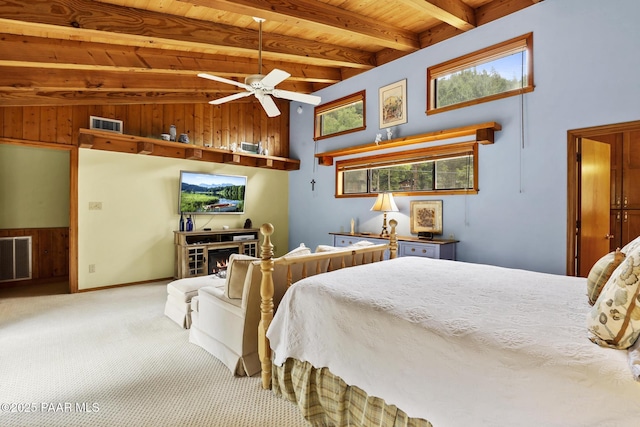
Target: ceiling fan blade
<point>223,80</point>
<point>274,77</point>
<point>230,98</point>
<point>295,96</point>
<point>269,106</point>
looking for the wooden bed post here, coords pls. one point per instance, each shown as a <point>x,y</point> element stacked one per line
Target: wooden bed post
<point>266,304</point>
<point>393,240</point>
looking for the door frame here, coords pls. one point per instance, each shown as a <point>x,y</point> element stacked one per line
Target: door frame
<point>573,182</point>
<point>73,199</point>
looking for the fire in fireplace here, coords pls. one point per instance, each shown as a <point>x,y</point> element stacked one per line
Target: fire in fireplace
<point>218,259</point>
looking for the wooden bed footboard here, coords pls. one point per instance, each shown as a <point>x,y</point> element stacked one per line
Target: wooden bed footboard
<point>320,262</point>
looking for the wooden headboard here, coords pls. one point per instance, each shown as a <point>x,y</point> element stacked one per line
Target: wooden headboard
<point>310,265</point>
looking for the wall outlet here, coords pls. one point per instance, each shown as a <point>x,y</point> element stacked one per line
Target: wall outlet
<point>92,268</point>
<point>95,206</point>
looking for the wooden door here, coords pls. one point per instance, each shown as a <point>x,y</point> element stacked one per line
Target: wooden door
<point>631,171</point>
<point>595,174</point>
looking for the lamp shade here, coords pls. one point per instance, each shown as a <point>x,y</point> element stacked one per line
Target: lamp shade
<point>385,203</point>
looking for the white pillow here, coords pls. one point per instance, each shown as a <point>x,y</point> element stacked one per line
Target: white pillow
<point>299,251</point>
<point>327,248</point>
<point>635,243</point>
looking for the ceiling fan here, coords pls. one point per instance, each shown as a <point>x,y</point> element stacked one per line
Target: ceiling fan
<point>263,87</point>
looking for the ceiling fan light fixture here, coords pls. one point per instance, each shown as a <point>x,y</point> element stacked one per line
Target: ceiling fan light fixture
<point>263,86</point>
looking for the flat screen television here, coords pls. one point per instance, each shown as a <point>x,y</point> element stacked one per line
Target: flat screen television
<point>209,193</point>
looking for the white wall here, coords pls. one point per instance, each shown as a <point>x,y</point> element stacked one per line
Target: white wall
<point>131,238</point>
<point>586,74</point>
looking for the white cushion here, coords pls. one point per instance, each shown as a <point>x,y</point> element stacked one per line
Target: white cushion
<point>218,293</point>
<point>187,288</point>
<point>299,251</point>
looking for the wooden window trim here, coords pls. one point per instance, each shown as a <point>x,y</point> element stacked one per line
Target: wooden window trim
<point>425,154</point>
<point>335,104</point>
<point>514,45</point>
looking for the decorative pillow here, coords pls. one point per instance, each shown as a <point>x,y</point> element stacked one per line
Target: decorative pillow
<point>236,273</point>
<point>600,273</point>
<point>361,243</point>
<point>299,251</point>
<point>635,243</point>
<point>327,248</point>
<point>615,316</point>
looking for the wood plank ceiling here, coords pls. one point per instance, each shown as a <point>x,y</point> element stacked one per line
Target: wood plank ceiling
<point>65,52</point>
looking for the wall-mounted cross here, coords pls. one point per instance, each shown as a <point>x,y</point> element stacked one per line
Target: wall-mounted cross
<point>313,185</point>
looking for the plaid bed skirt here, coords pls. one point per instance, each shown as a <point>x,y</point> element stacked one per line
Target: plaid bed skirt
<point>326,400</point>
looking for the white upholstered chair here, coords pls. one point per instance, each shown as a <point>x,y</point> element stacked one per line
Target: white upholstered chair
<point>225,317</point>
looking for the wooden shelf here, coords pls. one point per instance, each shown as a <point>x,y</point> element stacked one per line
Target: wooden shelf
<point>483,133</point>
<point>121,143</point>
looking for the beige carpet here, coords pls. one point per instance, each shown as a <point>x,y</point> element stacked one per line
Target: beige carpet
<point>111,358</point>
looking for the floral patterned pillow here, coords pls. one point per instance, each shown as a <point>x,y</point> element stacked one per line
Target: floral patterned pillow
<point>635,243</point>
<point>600,273</point>
<point>614,320</point>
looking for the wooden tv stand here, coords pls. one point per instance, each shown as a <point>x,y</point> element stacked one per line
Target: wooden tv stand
<point>193,247</point>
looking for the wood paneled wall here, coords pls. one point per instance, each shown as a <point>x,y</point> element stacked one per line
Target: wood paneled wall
<point>218,125</point>
<point>49,252</point>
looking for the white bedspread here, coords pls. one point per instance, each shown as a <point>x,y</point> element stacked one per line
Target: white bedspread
<point>460,344</point>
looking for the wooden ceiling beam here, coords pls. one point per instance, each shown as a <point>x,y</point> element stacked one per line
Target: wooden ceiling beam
<point>42,79</point>
<point>93,21</point>
<point>498,9</point>
<point>32,52</point>
<point>453,12</point>
<point>317,16</point>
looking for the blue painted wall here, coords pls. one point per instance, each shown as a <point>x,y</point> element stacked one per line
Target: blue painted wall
<point>586,71</point>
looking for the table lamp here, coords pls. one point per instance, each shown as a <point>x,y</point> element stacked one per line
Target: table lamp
<point>385,203</point>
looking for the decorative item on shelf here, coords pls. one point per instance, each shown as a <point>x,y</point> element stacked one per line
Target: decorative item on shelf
<point>184,138</point>
<point>385,203</point>
<point>247,223</point>
<point>181,222</point>
<point>378,138</point>
<point>165,137</point>
<point>234,147</point>
<point>172,132</point>
<point>389,134</point>
<point>426,218</point>
<point>353,226</point>
<point>189,224</point>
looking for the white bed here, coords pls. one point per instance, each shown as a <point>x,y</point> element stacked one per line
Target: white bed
<point>459,344</point>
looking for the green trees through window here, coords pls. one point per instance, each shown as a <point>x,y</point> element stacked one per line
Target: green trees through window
<point>449,169</point>
<point>499,71</point>
<point>341,116</point>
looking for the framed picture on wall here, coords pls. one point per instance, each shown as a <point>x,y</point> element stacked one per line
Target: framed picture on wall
<point>426,216</point>
<point>392,100</point>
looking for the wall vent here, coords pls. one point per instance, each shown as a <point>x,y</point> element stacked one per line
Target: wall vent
<point>103,123</point>
<point>15,258</point>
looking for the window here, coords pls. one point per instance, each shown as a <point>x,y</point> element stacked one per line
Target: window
<point>341,116</point>
<point>447,169</point>
<point>499,71</point>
